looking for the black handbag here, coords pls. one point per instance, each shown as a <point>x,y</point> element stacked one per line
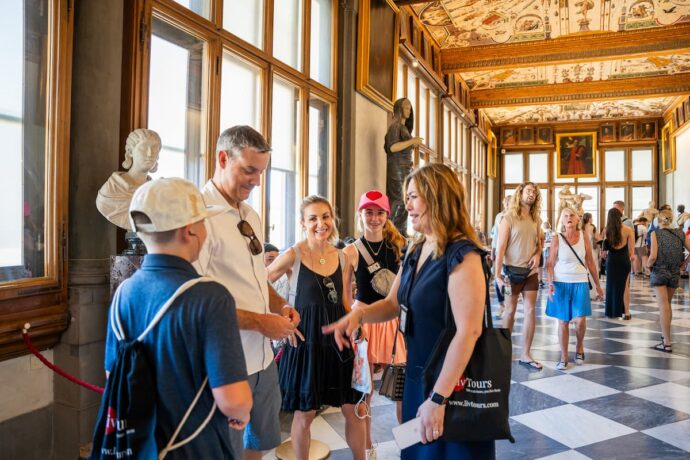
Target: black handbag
<point>517,275</point>
<point>393,378</point>
<point>477,410</point>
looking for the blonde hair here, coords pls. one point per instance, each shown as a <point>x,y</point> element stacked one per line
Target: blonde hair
<point>516,203</point>
<point>390,235</point>
<point>444,195</point>
<point>665,218</point>
<point>561,225</point>
<point>314,199</point>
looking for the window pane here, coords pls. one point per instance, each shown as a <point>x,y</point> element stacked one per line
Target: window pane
<point>412,96</point>
<point>284,177</point>
<point>23,83</point>
<point>642,164</point>
<point>319,147</point>
<point>641,196</point>
<point>287,32</point>
<point>320,54</point>
<point>453,138</point>
<point>200,7</point>
<point>432,121</point>
<point>240,87</point>
<point>512,168</point>
<point>614,165</point>
<point>175,102</point>
<point>446,133</point>
<point>613,194</point>
<point>544,204</point>
<point>422,114</point>
<point>591,206</point>
<point>400,90</point>
<point>245,19</point>
<point>539,167</point>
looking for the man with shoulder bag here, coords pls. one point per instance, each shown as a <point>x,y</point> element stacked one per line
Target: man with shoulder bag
<point>517,259</point>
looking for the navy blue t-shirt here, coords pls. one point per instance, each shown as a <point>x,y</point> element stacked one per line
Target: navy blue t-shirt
<point>197,336</point>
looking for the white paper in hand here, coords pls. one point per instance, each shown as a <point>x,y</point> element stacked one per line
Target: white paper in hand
<point>408,434</point>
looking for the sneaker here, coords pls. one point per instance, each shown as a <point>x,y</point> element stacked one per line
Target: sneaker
<point>371,453</point>
<point>580,358</point>
<point>561,366</point>
<point>501,310</point>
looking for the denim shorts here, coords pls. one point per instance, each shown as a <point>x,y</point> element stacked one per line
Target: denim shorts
<point>662,276</point>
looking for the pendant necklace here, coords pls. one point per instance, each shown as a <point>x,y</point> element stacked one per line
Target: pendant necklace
<point>376,253</point>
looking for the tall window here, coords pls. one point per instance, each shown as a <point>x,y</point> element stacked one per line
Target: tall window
<point>225,66</point>
<point>175,100</point>
<point>35,39</point>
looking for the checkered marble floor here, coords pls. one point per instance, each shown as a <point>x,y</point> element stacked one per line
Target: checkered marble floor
<point>627,401</point>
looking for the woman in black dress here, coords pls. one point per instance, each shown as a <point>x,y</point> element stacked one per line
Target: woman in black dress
<point>315,373</point>
<point>619,244</point>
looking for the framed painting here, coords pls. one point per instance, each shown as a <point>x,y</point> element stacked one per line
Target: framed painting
<point>686,108</point>
<point>680,112</point>
<point>626,132</point>
<point>668,149</point>
<point>377,51</point>
<point>607,133</point>
<point>526,135</point>
<point>544,135</point>
<point>508,136</point>
<point>576,154</point>
<point>647,130</point>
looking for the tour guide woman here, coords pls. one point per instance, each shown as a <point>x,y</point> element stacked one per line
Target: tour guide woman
<point>444,262</point>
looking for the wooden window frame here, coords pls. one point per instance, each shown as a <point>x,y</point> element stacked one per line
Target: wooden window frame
<point>137,38</point>
<point>42,301</point>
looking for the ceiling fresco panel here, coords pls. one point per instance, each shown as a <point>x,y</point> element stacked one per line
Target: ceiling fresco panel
<point>579,72</point>
<point>599,110</point>
<point>462,23</point>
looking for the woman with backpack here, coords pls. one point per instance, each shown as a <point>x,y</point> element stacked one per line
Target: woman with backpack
<point>665,258</point>
<point>374,262</point>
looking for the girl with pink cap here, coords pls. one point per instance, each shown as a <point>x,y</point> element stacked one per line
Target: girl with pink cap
<point>374,261</point>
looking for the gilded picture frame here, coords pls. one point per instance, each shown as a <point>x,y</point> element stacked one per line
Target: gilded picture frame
<point>607,132</point>
<point>544,135</point>
<point>526,136</point>
<point>576,155</point>
<point>377,51</point>
<point>626,131</point>
<point>647,130</point>
<point>508,136</point>
<point>668,149</point>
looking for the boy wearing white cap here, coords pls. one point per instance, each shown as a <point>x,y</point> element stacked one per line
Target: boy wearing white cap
<point>197,337</point>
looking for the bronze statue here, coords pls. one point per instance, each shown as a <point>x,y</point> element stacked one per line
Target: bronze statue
<point>399,145</point>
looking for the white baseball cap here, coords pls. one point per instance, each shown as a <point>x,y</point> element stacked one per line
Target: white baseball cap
<point>169,203</point>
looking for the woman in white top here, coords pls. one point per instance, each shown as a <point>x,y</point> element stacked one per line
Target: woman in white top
<point>568,283</point>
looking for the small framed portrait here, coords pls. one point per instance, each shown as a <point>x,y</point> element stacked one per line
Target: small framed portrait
<point>646,130</point>
<point>576,154</point>
<point>680,112</point>
<point>668,149</point>
<point>508,136</point>
<point>626,132</point>
<point>545,135</point>
<point>686,108</point>
<point>607,132</point>
<point>526,135</point>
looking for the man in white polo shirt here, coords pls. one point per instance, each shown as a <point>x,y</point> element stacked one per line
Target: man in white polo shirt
<point>233,255</point>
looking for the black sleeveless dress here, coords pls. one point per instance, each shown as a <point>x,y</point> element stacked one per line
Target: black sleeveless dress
<point>386,258</point>
<point>617,271</point>
<point>316,373</point>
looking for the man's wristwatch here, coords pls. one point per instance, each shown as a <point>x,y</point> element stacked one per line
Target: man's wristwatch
<point>438,399</point>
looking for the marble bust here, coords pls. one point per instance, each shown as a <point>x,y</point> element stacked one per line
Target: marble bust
<point>141,158</point>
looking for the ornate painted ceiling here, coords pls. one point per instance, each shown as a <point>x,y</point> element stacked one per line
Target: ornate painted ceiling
<point>527,61</point>
<point>461,23</point>
<point>597,110</point>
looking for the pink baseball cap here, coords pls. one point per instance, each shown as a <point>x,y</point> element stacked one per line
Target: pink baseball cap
<point>376,198</point>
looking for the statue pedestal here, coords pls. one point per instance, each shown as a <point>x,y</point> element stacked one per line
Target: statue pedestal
<point>317,451</point>
<point>121,268</point>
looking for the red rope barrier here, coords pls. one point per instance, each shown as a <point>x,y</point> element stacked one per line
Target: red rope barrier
<point>71,378</point>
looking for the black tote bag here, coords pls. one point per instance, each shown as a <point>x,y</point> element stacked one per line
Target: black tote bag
<point>477,409</point>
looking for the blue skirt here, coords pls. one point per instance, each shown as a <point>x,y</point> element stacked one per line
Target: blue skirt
<point>570,300</point>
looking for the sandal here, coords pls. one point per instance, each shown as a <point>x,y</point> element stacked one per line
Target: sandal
<point>626,317</point>
<point>580,358</point>
<point>663,347</point>
<point>531,364</point>
<point>562,365</point>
